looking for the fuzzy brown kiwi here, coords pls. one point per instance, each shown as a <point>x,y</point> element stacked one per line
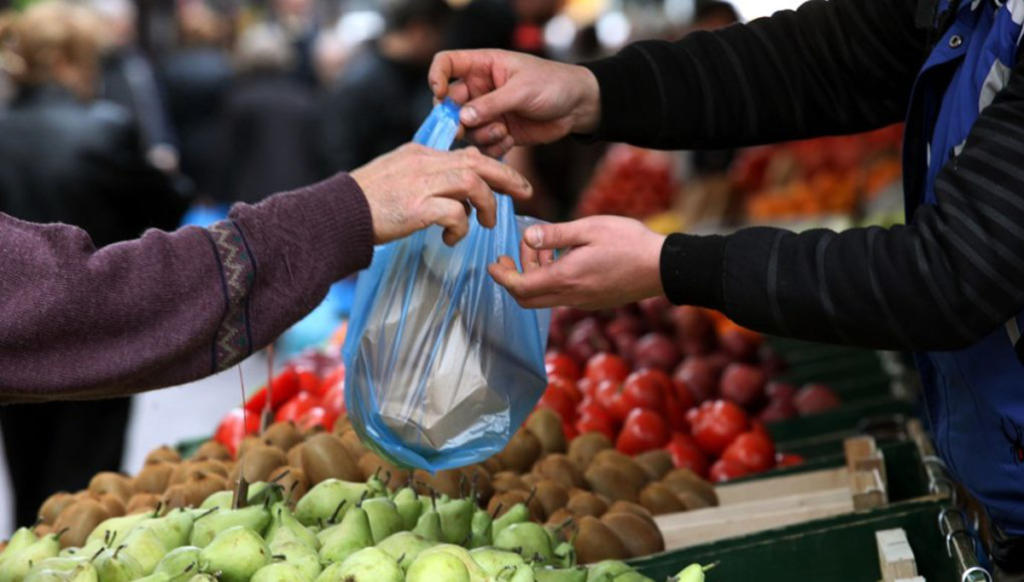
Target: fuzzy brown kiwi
<point>479,481</point>
<point>257,463</point>
<point>692,501</point>
<point>55,504</point>
<point>181,472</point>
<point>40,530</point>
<point>154,478</point>
<point>371,464</point>
<point>248,443</point>
<point>546,425</point>
<point>353,444</point>
<point>113,504</point>
<point>79,519</point>
<point>341,425</point>
<point>163,454</point>
<point>324,457</point>
<point>283,435</point>
<point>493,465</point>
<point>141,502</point>
<point>656,464</point>
<point>640,536</point>
<point>559,517</point>
<point>502,502</point>
<point>551,496</point>
<point>596,542</point>
<point>176,496</point>
<point>110,482</point>
<point>507,481</point>
<point>583,448</point>
<point>630,469</point>
<point>611,481</point>
<point>586,503</point>
<point>630,507</point>
<point>682,480</point>
<point>212,450</point>
<point>214,466</point>
<point>521,452</point>
<point>558,467</point>
<point>659,499</point>
<point>450,483</point>
<point>294,482</point>
<point>198,488</point>
<point>294,455</point>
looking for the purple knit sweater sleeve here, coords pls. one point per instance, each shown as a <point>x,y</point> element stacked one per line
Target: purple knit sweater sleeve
<point>168,308</point>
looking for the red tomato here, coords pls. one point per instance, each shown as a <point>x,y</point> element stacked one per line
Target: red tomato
<point>556,399</point>
<point>593,418</point>
<point>284,386</point>
<point>334,400</point>
<point>561,365</point>
<point>647,389</point>
<point>715,428</point>
<point>644,430</point>
<point>610,396</point>
<point>788,460</point>
<point>309,382</point>
<point>231,430</point>
<point>296,407</point>
<point>725,470</point>
<point>687,455</point>
<point>570,432</point>
<point>675,414</point>
<point>316,416</point>
<point>566,386</point>
<point>605,366</point>
<point>586,387</point>
<point>754,450</point>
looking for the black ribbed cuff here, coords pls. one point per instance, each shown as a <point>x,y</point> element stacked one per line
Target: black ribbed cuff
<point>627,84</point>
<point>691,269</point>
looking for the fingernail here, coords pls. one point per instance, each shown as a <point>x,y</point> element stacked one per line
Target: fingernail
<point>433,86</point>
<point>534,237</point>
<point>469,115</point>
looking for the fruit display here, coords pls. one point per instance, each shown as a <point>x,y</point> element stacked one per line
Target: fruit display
<point>630,181</point>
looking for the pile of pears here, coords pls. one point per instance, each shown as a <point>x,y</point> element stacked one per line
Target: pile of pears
<point>340,531</point>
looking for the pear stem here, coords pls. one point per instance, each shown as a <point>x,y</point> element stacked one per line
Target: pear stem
<point>206,513</point>
<point>337,510</point>
<point>497,510</point>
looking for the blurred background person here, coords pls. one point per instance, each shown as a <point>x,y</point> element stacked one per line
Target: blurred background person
<point>65,157</point>
<point>381,97</point>
<point>270,118</point>
<point>299,21</point>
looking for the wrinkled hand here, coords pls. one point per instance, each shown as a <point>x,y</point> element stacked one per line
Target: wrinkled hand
<point>415,186</point>
<point>612,261</point>
<point>516,99</point>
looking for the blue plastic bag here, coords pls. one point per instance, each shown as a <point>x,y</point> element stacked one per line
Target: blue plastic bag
<point>442,365</point>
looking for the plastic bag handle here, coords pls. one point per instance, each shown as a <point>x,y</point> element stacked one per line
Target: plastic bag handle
<point>440,127</point>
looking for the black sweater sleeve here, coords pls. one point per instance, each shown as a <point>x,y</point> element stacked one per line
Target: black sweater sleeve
<point>830,67</point>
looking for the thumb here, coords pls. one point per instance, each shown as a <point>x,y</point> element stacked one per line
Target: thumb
<point>556,236</point>
<point>490,106</point>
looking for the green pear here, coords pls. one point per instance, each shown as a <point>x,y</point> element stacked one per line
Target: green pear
<point>22,538</point>
<point>299,555</point>
<point>284,527</point>
<point>520,574</point>
<point>87,551</point>
<point>113,531</point>
<point>606,571</point>
<point>632,576</point>
<point>173,529</point>
<point>156,577</point>
<point>408,505</point>
<point>203,577</point>
<point>85,572</point>
<point>280,572</point>
<point>60,564</point>
<point>456,520</point>
<point>404,546</point>
<point>435,567</point>
<point>428,526</point>
<point>564,555</point>
<point>493,561</point>
<point>480,529</point>
<point>62,570</point>
<point>560,574</point>
<point>475,571</point>
<point>220,500</point>
<point>321,502</point>
<point>366,565</point>
<point>205,529</point>
<point>112,566</point>
<point>351,535</point>
<point>264,493</point>
<point>528,539</point>
<point>147,549</point>
<point>15,566</point>
<point>383,516</point>
<point>237,553</point>
<point>180,562</point>
<point>44,575</point>
<point>691,573</point>
<point>519,513</point>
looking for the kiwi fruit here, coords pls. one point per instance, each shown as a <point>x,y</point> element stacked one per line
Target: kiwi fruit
<point>507,481</point>
<point>502,502</point>
<point>325,457</point>
<point>586,503</point>
<point>257,463</point>
<point>659,499</point>
<point>639,536</point>
<point>550,496</point>
<point>371,464</point>
<point>546,425</point>
<point>79,519</point>
<point>248,443</point>
<point>630,469</point>
<point>693,501</point>
<point>585,447</point>
<point>176,496</point>
<point>193,492</point>
<point>341,425</point>
<point>154,478</point>
<point>611,481</point>
<point>493,465</point>
<point>54,505</point>
<point>113,504</point>
<point>479,481</point>
<point>294,455</point>
<point>559,517</point>
<point>212,450</point>
<point>164,454</point>
<point>521,452</point>
<point>558,467</point>
<point>450,483</point>
<point>634,508</point>
<point>214,466</point>
<point>283,435</point>
<point>110,482</point>
<point>141,502</point>
<point>656,464</point>
<point>683,480</point>
<point>293,482</point>
<point>354,444</point>
<point>40,531</point>
<point>595,542</point>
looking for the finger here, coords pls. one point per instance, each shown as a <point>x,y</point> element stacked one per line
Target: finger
<point>506,261</point>
<point>538,282</point>
<point>556,236</point>
<point>458,92</point>
<point>448,65</point>
<point>499,150</point>
<point>490,134</point>
<point>490,106</point>
<point>450,215</point>
<point>500,177</point>
<point>546,257</point>
<point>529,257</point>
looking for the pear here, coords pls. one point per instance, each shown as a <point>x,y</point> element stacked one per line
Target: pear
<point>632,576</point>
<point>237,553</point>
<point>111,566</point>
<point>284,526</point>
<point>205,529</point>
<point>560,574</point>
<point>203,577</point>
<point>321,502</point>
<point>299,555</point>
<point>428,526</point>
<point>606,570</point>
<point>564,555</point>
<point>15,566</point>
<point>262,492</point>
<point>474,570</point>
<point>87,551</point>
<point>519,513</point>
<point>173,529</point>
<point>481,532</point>
<point>529,539</point>
<point>113,531</point>
<point>220,500</point>
<point>84,572</point>
<point>280,572</point>
<point>494,561</point>
<point>408,505</point>
<point>180,562</point>
<point>383,516</point>
<point>79,570</point>
<point>691,573</point>
<point>404,546</point>
<point>456,520</point>
<point>20,539</point>
<point>436,566</point>
<point>156,577</point>
<point>520,574</point>
<point>145,547</point>
<point>59,564</point>
<point>351,535</point>
<point>366,565</point>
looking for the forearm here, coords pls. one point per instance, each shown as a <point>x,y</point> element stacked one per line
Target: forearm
<point>830,67</point>
<point>169,307</point>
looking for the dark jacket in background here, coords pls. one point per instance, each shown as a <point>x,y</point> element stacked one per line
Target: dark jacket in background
<point>196,81</point>
<point>130,81</point>
<point>375,106</point>
<point>270,140</point>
